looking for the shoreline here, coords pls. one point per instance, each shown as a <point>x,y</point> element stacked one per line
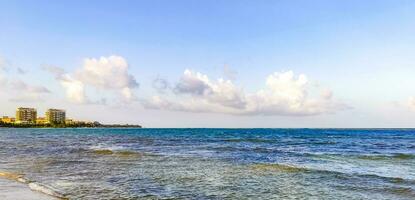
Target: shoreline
<point>11,190</point>
<point>70,127</point>
<point>16,185</point>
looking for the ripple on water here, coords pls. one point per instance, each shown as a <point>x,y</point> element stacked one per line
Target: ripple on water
<point>397,156</point>
<point>273,167</point>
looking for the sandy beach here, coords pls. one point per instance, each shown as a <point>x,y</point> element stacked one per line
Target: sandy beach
<point>11,190</point>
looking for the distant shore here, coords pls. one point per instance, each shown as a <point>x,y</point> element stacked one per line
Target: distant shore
<point>92,125</point>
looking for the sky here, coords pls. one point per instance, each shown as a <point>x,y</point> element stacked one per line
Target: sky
<point>211,63</point>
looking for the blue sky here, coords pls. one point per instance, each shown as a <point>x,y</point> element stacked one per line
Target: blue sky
<point>359,52</point>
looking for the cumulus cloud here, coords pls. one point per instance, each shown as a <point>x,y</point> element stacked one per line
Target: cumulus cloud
<point>193,83</point>
<point>222,92</point>
<point>108,73</point>
<point>283,94</point>
<point>74,89</point>
<point>104,73</point>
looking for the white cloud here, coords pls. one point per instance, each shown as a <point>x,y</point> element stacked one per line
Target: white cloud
<point>326,94</point>
<point>193,83</point>
<point>106,74</point>
<point>75,89</point>
<point>283,94</point>
<point>222,91</point>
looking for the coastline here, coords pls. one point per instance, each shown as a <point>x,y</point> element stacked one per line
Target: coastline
<point>11,190</point>
<point>14,185</point>
<point>70,126</point>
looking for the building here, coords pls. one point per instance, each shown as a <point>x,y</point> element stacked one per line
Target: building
<point>70,122</point>
<point>26,115</point>
<point>8,120</point>
<point>41,120</point>
<point>55,116</point>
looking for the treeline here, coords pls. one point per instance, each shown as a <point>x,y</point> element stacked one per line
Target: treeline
<point>61,125</point>
<point>80,125</point>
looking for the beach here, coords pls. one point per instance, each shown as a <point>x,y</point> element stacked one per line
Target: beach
<point>209,163</point>
<point>11,190</point>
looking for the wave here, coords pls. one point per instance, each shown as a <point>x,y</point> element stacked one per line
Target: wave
<point>47,190</point>
<point>289,168</point>
<point>34,186</point>
<point>115,151</point>
<point>251,140</point>
<point>253,149</point>
<point>279,168</point>
<point>121,153</point>
<point>398,156</point>
<point>110,151</point>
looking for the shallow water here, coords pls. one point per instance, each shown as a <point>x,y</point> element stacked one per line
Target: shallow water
<point>215,163</point>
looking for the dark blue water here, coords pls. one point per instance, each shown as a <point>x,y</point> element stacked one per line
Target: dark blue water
<point>215,163</point>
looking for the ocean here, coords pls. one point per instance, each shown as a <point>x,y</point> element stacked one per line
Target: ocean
<point>215,163</point>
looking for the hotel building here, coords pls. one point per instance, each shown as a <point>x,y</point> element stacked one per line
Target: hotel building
<point>26,115</point>
<point>55,116</point>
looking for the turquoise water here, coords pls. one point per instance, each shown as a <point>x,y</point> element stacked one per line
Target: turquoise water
<point>215,163</point>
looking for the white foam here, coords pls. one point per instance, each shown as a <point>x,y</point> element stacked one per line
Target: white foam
<point>106,147</point>
<point>23,180</point>
<point>46,190</point>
